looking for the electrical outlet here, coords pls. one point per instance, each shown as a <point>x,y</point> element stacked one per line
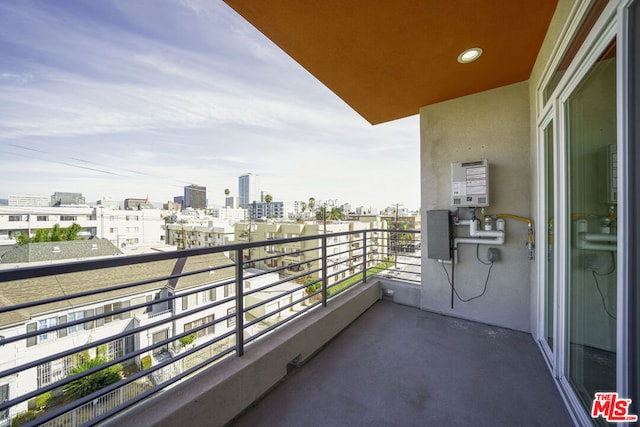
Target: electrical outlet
<point>493,254</point>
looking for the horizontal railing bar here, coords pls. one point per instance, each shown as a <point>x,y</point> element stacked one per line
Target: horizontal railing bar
<point>109,339</point>
<point>62,382</point>
<point>365,247</point>
<point>110,289</point>
<point>105,390</point>
<point>287,319</point>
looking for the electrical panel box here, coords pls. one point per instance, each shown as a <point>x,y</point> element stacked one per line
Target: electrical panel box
<point>470,184</point>
<point>439,234</point>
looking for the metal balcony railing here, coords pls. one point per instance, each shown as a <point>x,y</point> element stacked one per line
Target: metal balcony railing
<point>54,319</point>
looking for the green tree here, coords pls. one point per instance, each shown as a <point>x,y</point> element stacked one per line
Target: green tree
<point>71,232</point>
<point>93,382</point>
<point>303,207</point>
<point>42,235</point>
<point>227,192</point>
<point>22,239</point>
<point>55,234</point>
<point>336,214</point>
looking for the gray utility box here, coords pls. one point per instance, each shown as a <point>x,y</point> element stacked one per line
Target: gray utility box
<point>439,234</point>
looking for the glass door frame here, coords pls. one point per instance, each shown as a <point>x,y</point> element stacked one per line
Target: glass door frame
<point>613,23</point>
<point>542,239</point>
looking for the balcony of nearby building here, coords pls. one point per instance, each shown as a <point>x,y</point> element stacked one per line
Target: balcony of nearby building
<point>195,336</point>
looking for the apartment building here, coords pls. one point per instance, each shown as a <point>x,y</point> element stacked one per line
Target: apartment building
<point>90,320</point>
<point>28,200</point>
<point>345,251</point>
<point>199,233</point>
<point>264,210</point>
<point>118,226</point>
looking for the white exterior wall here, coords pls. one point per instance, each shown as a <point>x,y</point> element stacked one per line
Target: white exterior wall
<point>199,234</point>
<point>15,220</point>
<point>130,227</point>
<point>116,225</point>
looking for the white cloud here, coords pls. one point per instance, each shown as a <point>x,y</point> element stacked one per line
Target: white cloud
<point>165,94</point>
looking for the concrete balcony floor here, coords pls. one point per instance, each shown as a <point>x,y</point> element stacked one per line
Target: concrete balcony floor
<point>400,366</point>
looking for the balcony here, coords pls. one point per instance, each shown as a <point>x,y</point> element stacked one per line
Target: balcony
<point>232,332</point>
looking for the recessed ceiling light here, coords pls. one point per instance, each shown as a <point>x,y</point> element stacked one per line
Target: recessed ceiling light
<point>469,55</point>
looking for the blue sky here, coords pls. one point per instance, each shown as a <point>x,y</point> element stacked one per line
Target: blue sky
<point>135,98</point>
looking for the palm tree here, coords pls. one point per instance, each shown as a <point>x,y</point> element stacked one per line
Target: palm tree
<point>303,207</point>
<point>335,214</point>
<point>312,204</point>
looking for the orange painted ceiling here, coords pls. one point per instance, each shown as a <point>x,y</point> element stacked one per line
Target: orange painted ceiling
<point>386,59</point>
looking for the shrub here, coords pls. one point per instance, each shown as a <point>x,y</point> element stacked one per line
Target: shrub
<point>312,285</point>
<point>93,382</point>
<point>23,418</point>
<point>42,401</point>
<point>145,362</point>
<point>185,341</point>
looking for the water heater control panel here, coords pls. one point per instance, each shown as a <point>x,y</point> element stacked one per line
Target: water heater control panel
<point>470,184</point>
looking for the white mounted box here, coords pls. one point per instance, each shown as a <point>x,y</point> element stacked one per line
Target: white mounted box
<point>470,184</point>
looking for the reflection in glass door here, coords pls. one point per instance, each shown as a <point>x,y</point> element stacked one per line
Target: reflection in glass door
<point>592,246</point>
<point>549,269</point>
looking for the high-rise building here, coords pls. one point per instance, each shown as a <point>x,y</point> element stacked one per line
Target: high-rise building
<point>195,196</point>
<point>247,189</point>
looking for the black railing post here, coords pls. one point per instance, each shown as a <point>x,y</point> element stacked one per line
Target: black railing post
<point>364,256</point>
<point>239,304</point>
<point>324,270</point>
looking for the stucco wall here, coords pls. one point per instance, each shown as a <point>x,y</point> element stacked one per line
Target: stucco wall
<point>492,125</point>
<point>560,17</point>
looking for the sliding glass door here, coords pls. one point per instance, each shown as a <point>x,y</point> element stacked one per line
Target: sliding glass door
<point>591,219</point>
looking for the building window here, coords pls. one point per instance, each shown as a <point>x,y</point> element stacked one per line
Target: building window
<point>56,370</point>
<point>68,218</point>
<point>47,323</point>
<point>209,295</point>
<point>200,322</point>
<point>158,337</point>
<point>78,315</point>
<point>113,230</point>
<point>119,348</point>
<point>4,396</point>
<point>116,306</point>
<point>231,321</point>
<point>90,323</point>
<point>228,290</point>
<point>42,218</point>
<point>15,218</point>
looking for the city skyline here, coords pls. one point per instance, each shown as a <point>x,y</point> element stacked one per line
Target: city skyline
<point>122,99</point>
